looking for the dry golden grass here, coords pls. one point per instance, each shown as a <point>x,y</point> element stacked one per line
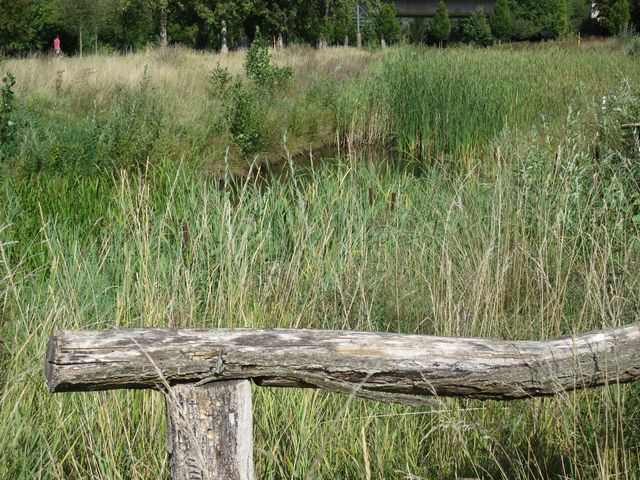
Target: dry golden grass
<point>178,68</point>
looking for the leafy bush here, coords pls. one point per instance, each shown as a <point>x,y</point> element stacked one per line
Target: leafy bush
<point>7,125</point>
<point>246,119</point>
<point>220,81</point>
<point>259,68</point>
<point>127,133</point>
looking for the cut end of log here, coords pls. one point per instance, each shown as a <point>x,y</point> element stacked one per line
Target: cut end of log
<point>49,361</point>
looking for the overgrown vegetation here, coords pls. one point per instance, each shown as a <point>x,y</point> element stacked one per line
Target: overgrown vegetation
<point>260,68</point>
<point>7,124</point>
<point>516,216</point>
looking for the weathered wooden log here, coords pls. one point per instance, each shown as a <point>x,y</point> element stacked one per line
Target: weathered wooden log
<point>382,366</point>
<point>630,125</point>
<point>210,431</point>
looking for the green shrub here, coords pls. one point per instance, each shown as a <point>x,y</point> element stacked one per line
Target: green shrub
<point>259,68</point>
<point>246,119</point>
<point>127,133</point>
<point>7,124</point>
<point>220,81</point>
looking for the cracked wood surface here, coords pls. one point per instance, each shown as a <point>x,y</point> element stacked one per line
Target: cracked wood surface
<point>382,366</point>
<point>210,431</point>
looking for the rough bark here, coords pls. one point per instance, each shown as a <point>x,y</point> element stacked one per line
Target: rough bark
<point>382,366</point>
<point>209,431</point>
<point>80,39</point>
<point>163,26</point>
<point>223,38</point>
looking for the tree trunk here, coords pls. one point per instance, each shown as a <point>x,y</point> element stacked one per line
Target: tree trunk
<point>80,39</point>
<point>224,49</point>
<point>163,26</point>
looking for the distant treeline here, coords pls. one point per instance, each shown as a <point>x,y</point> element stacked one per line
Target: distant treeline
<point>124,25</point>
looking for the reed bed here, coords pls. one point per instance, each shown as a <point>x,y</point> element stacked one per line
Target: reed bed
<point>537,237</point>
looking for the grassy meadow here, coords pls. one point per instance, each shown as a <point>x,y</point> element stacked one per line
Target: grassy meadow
<point>516,216</point>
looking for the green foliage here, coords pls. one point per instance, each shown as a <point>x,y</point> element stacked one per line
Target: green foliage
<point>341,25</point>
<point>477,30</point>
<point>7,123</point>
<point>619,17</point>
<point>634,47</point>
<point>540,18</point>
<point>579,12</point>
<point>417,30</point>
<point>24,24</point>
<point>220,81</point>
<point>387,23</point>
<point>441,28</point>
<point>261,70</point>
<point>616,16</point>
<point>128,132</point>
<point>544,227</point>
<point>83,17</point>
<point>500,21</point>
<point>246,120</point>
<point>122,136</point>
<point>560,20</point>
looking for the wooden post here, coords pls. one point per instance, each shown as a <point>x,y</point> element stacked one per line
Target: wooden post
<point>209,431</point>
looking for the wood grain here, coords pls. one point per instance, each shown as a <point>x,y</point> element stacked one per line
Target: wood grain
<point>381,366</point>
<point>210,431</point>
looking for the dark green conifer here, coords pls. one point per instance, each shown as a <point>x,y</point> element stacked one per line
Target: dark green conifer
<point>477,30</point>
<point>441,24</point>
<point>501,22</point>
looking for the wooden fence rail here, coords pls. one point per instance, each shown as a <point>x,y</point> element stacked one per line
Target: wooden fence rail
<point>205,374</point>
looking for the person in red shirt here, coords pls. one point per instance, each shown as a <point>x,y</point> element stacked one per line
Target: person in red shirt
<point>56,45</point>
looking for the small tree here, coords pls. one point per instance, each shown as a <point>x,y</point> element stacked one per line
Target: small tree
<point>79,15</point>
<point>560,19</point>
<point>501,22</point>
<point>614,15</point>
<point>387,24</point>
<point>340,26</point>
<point>579,14</point>
<point>477,30</point>
<point>441,24</point>
<point>618,17</point>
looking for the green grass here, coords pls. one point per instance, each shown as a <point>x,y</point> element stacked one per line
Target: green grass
<point>430,102</point>
<point>538,237</point>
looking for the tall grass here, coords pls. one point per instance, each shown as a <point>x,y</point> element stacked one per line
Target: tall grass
<point>545,242</point>
<point>428,104</point>
<point>431,102</point>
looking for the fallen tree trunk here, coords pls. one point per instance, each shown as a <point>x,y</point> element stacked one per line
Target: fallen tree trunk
<point>381,366</point>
